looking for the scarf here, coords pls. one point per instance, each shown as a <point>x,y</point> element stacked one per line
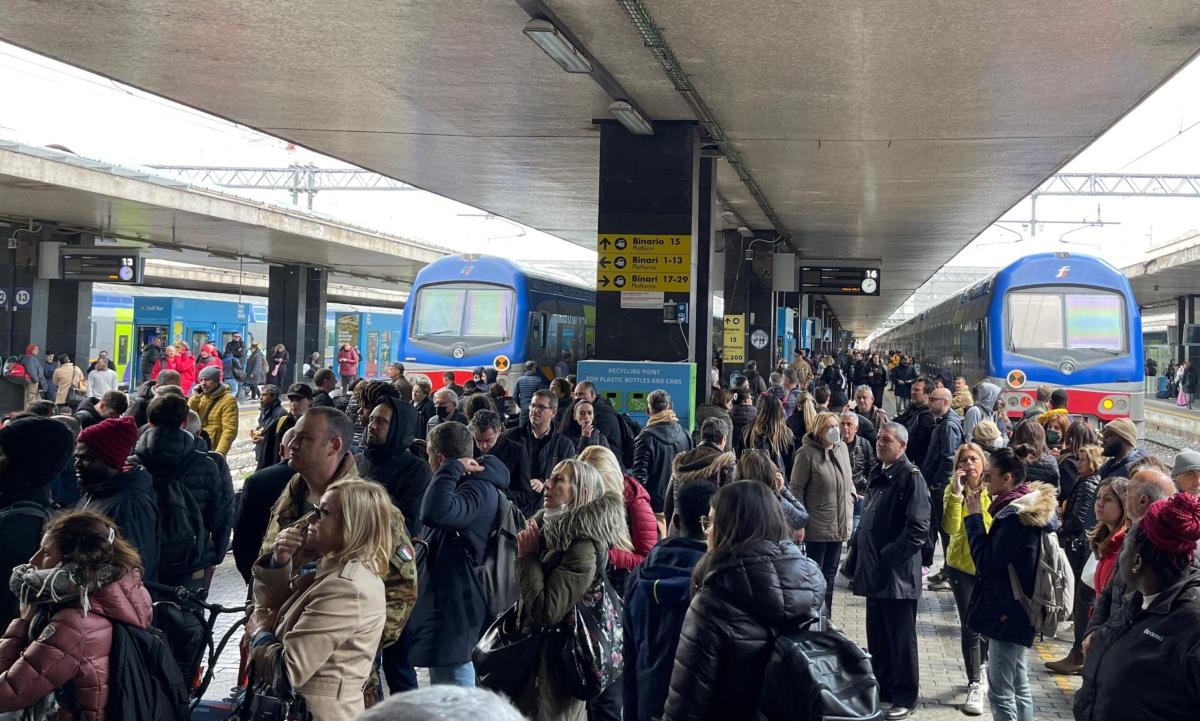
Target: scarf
<point>58,585</point>
<point>1007,498</point>
<point>667,416</point>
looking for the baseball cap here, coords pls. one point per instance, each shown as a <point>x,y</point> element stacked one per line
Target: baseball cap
<point>300,390</point>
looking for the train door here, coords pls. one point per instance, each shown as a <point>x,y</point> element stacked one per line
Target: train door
<point>122,350</point>
<point>144,334</point>
<point>198,336</point>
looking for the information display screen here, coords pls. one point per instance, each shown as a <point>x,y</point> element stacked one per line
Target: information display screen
<point>832,280</point>
<point>101,267</point>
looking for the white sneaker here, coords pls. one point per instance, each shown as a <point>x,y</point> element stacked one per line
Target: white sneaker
<point>974,704</point>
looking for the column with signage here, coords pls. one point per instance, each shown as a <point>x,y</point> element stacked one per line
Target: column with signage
<point>296,312</point>
<point>647,244</point>
<point>748,294</point>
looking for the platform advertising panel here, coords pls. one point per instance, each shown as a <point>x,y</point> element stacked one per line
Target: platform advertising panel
<point>627,384</point>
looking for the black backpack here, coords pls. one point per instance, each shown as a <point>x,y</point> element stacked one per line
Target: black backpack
<point>184,542</point>
<point>498,572</point>
<point>629,433</point>
<point>818,676</point>
<point>144,682</point>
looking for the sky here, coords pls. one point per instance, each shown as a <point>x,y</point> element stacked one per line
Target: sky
<point>114,123</point>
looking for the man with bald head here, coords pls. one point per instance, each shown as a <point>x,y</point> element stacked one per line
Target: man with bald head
<point>936,468</point>
<point>1112,605</point>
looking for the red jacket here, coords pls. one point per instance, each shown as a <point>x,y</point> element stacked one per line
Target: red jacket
<point>185,363</point>
<point>348,362</point>
<point>643,527</point>
<point>73,647</point>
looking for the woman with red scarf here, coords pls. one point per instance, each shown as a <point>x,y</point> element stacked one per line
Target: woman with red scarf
<point>1111,524</point>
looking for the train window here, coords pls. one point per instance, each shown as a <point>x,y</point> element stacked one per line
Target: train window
<point>1089,323</point>
<point>462,310</point>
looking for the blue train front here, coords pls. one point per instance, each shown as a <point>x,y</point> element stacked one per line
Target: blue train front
<point>1067,321</point>
<point>467,311</point>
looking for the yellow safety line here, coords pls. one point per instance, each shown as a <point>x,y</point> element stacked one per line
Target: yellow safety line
<point>1047,654</point>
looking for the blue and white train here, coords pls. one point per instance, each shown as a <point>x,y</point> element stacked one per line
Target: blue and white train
<point>1068,321</point>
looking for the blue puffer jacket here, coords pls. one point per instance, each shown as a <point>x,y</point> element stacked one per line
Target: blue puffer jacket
<point>1013,540</point>
<point>656,601</point>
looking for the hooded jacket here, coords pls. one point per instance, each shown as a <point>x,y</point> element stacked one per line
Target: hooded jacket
<point>175,453</point>
<point>920,423</point>
<point>1043,470</point>
<point>552,581</point>
<point>765,587</point>
<point>823,479</point>
<point>894,526</point>
<point>1149,667</point>
<point>218,413</point>
<point>1012,540</point>
<point>939,458</point>
<point>986,395</point>
<point>1120,466</point>
<point>73,647</point>
<point>128,499</point>
<point>393,465</point>
<point>743,415</point>
<point>185,363</point>
<point>654,452</point>
<point>458,511</point>
<point>268,416</point>
<point>705,462</point>
<point>37,449</point>
<point>656,602</point>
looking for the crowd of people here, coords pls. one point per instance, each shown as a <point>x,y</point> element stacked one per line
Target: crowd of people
<point>390,527</point>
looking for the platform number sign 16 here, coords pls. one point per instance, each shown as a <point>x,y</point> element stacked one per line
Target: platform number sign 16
<point>870,281</point>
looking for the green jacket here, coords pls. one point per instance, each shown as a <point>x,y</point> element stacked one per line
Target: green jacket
<point>958,553</point>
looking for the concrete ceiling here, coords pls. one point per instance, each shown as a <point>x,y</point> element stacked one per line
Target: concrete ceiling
<point>877,129</point>
<point>1172,272</point>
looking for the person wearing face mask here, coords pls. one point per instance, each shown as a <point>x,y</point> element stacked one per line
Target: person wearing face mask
<point>1119,439</point>
<point>320,616</point>
<point>445,403</point>
<point>823,480</point>
<point>559,559</point>
<point>82,579</point>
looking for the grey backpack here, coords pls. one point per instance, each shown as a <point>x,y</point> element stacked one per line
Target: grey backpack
<point>1053,587</point>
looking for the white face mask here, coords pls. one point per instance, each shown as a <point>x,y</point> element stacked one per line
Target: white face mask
<point>832,436</point>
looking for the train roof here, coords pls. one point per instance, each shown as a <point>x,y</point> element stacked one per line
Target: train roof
<point>491,268</point>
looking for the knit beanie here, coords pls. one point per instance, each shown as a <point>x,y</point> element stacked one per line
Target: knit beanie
<point>111,440</point>
<point>1124,428</point>
<point>209,372</point>
<point>1173,524</point>
<point>37,450</point>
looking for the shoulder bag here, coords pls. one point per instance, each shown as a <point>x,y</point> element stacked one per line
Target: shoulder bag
<point>586,647</point>
<point>506,656</point>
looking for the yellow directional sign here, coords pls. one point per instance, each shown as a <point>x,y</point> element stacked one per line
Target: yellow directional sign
<point>632,262</point>
<point>635,281</point>
<point>734,338</point>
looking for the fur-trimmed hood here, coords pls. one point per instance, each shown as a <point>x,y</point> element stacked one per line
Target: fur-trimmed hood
<point>602,520</point>
<point>1035,509</point>
<point>703,463</point>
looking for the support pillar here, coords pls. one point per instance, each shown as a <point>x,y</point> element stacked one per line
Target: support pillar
<point>702,281</point>
<point>748,291</point>
<point>296,313</point>
<point>648,187</point>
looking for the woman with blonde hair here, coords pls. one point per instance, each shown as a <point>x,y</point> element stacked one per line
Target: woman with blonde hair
<point>559,562</point>
<point>641,529</point>
<point>823,480</point>
<point>321,624</point>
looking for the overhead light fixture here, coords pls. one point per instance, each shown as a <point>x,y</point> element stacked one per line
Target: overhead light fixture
<point>633,121</point>
<point>729,216</point>
<point>745,232</point>
<point>556,46</point>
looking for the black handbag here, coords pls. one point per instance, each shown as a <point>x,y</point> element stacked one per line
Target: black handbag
<point>587,644</point>
<point>506,656</point>
<point>271,698</point>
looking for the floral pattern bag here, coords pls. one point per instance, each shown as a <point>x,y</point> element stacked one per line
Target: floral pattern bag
<point>588,649</point>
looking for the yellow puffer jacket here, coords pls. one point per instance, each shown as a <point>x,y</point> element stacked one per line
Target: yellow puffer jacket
<point>954,510</point>
<point>218,413</point>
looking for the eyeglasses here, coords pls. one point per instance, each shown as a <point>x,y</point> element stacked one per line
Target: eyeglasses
<point>536,407</point>
<point>705,524</point>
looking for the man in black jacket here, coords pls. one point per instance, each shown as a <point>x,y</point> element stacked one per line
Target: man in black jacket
<point>460,509</point>
<point>486,428</point>
<point>887,567</point>
<point>530,382</point>
<point>918,420</point>
<point>903,378</point>
<point>259,493</point>
<point>300,399</point>
<point>32,453</point>
<point>324,381</point>
<point>152,352</point>
<point>270,410</point>
<point>655,449</point>
<point>110,405</point>
<point>936,467</point>
<point>544,445</point>
<point>387,459</point>
<point>606,420</point>
<point>167,451</point>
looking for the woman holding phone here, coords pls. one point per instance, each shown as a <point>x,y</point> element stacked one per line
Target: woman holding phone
<point>969,463</point>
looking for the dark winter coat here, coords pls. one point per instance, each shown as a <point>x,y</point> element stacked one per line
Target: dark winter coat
<point>766,587</point>
<point>756,382</point>
<point>139,403</point>
<point>259,493</point>
<point>656,602</point>
<point>551,582</point>
<point>1079,516</point>
<point>1014,539</point>
<point>256,368</point>
<point>23,512</point>
<point>425,410</point>
<point>1148,668</point>
<point>268,416</point>
<point>268,450</point>
<point>837,381</point>
<point>654,451</point>
<point>1115,467</point>
<point>86,413</point>
<point>743,416</point>
<point>920,423</point>
<point>151,354</point>
<point>1043,470</point>
<point>405,476</point>
<point>516,460</point>
<point>608,423</point>
<point>542,461</point>
<point>894,526</point>
<point>73,648</point>
<point>705,462</point>
<point>458,511</point>
<point>862,460</point>
<point>527,384</point>
<point>902,380</point>
<point>174,453</point>
<point>939,458</point>
<point>128,499</point>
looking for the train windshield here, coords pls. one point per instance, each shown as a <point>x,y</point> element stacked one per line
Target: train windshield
<point>1049,321</point>
<point>463,310</point>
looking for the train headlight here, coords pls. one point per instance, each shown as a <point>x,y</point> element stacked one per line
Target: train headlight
<point>1107,404</point>
<point>1113,405</point>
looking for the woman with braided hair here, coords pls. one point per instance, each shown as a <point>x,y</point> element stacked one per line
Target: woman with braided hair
<point>1149,666</point>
